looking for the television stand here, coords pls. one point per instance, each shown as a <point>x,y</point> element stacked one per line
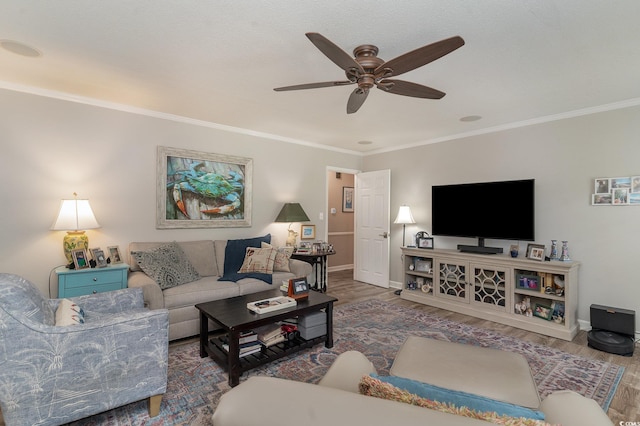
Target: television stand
<point>479,249</point>
<point>541,297</point>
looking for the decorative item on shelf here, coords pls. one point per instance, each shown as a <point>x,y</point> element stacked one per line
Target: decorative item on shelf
<point>292,212</point>
<point>528,282</point>
<point>422,265</point>
<point>514,250</point>
<point>564,257</point>
<point>75,216</point>
<point>554,250</point>
<point>535,252</point>
<point>427,287</point>
<point>404,217</point>
<point>543,311</point>
<point>523,307</point>
<point>424,240</point>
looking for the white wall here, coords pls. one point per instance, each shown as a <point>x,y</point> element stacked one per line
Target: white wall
<point>51,148</point>
<point>564,157</point>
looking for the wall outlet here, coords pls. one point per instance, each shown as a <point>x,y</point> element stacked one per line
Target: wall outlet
<point>321,216</point>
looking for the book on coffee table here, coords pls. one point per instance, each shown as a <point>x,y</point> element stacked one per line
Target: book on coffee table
<point>271,304</point>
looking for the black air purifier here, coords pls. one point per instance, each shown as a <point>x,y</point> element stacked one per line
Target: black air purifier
<point>612,330</point>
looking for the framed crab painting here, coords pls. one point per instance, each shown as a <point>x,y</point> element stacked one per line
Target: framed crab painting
<point>202,190</point>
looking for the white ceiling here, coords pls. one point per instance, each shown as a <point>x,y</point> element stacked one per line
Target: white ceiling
<point>218,61</point>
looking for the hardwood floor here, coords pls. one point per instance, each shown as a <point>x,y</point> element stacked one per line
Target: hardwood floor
<point>625,406</point>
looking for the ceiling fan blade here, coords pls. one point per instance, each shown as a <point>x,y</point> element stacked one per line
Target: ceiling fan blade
<point>314,85</point>
<point>356,100</point>
<point>333,52</point>
<point>418,57</point>
<point>406,88</point>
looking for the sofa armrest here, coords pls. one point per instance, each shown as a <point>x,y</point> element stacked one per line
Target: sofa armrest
<point>300,268</point>
<point>290,403</point>
<point>111,301</point>
<point>347,370</point>
<point>153,296</point>
<point>571,409</point>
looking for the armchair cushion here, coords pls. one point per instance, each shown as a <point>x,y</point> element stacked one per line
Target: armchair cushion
<point>69,313</point>
<point>167,265</point>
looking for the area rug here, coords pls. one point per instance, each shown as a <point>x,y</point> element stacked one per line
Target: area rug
<point>375,328</point>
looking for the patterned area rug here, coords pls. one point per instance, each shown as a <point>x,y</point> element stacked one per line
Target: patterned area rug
<point>376,329</point>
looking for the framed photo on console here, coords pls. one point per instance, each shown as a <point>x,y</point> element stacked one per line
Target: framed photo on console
<point>535,252</point>
<point>424,242</point>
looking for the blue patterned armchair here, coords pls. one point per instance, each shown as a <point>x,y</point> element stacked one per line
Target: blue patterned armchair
<point>51,375</point>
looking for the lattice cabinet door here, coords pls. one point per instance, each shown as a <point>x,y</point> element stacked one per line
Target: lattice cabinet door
<point>490,287</point>
<point>452,280</point>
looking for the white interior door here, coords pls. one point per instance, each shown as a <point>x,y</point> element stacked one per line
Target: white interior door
<point>372,227</point>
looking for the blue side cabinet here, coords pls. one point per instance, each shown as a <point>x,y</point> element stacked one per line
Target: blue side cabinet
<point>79,282</point>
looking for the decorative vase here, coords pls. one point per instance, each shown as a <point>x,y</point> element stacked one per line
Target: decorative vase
<point>564,257</point>
<point>74,240</point>
<point>554,250</point>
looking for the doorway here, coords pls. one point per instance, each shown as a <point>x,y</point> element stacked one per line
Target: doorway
<point>340,218</point>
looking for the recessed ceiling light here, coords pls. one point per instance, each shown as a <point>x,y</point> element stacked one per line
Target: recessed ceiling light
<point>364,142</point>
<point>20,48</point>
<point>471,118</point>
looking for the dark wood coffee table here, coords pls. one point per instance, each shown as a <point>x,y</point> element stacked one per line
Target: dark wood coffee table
<point>233,317</point>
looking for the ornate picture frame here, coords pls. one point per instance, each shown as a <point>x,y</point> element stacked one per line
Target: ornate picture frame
<point>202,190</point>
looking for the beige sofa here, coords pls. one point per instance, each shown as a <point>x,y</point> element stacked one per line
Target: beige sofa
<point>336,399</point>
<point>208,258</point>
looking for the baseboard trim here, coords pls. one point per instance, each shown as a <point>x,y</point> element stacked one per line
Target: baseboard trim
<point>339,268</point>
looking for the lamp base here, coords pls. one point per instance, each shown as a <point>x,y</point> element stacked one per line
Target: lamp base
<point>72,241</point>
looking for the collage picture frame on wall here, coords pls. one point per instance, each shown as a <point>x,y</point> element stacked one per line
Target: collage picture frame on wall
<point>617,191</point>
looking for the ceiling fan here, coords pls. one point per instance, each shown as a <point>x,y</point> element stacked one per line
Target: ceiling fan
<point>367,70</point>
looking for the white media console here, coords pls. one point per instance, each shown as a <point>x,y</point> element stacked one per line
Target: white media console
<point>537,296</point>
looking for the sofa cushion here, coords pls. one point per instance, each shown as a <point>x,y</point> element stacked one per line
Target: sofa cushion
<point>201,254</point>
<point>258,260</point>
<point>422,359</point>
<point>234,257</point>
<point>69,313</point>
<point>167,265</point>
<point>447,400</point>
<point>283,254</point>
<point>202,290</point>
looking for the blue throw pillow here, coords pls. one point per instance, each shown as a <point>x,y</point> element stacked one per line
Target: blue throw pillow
<point>460,399</point>
<point>234,256</point>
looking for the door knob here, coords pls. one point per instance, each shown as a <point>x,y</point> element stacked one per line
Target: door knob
<point>385,234</point>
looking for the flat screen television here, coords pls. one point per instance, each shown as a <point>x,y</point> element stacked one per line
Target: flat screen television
<point>502,210</point>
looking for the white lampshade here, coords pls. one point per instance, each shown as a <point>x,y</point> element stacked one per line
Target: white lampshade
<point>75,215</point>
<point>404,215</point>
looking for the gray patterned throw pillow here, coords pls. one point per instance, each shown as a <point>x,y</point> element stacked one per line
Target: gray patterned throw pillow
<point>167,265</point>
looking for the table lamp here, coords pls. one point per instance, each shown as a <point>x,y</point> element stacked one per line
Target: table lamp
<point>404,217</point>
<point>292,212</point>
<point>74,217</point>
